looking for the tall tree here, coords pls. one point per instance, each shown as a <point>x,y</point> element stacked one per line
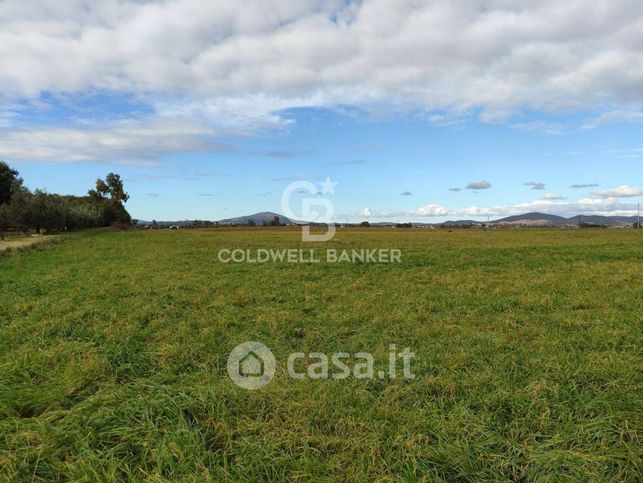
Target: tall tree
<point>9,181</point>
<point>112,187</point>
<point>14,215</point>
<point>39,210</point>
<point>5,219</point>
<point>111,194</point>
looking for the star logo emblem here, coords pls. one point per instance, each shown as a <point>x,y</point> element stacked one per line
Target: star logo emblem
<point>328,186</point>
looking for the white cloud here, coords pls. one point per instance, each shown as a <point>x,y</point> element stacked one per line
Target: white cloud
<point>624,191</point>
<point>552,196</point>
<point>550,204</point>
<point>474,211</point>
<point>432,210</point>
<point>125,142</point>
<point>615,117</point>
<point>588,206</point>
<point>266,55</point>
<point>236,66</point>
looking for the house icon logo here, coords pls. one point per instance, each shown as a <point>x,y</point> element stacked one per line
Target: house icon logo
<point>251,365</point>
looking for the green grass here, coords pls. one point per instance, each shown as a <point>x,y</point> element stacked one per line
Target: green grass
<point>113,350</point>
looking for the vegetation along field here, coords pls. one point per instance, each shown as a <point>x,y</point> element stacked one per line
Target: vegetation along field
<point>113,350</point>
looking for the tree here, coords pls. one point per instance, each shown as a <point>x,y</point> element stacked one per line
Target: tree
<point>112,186</point>
<point>9,181</point>
<point>38,211</point>
<point>5,219</point>
<point>365,224</point>
<point>274,222</point>
<point>251,222</point>
<point>111,195</point>
<point>14,215</point>
<point>19,209</point>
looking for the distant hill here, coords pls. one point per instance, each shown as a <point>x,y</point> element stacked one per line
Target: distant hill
<point>460,223</point>
<point>603,220</point>
<point>165,223</point>
<point>534,219</point>
<point>543,219</point>
<point>258,218</point>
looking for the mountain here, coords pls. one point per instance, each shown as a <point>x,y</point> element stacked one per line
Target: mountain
<point>164,223</point>
<point>603,220</point>
<point>527,219</point>
<point>534,219</point>
<point>460,223</point>
<point>258,218</point>
<point>543,219</point>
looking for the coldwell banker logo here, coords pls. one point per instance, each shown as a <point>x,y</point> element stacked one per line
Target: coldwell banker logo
<point>318,210</point>
<point>308,205</point>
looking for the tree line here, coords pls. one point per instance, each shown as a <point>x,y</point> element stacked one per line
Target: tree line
<point>22,210</point>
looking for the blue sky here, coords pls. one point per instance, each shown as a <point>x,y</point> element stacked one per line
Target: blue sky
<point>245,100</point>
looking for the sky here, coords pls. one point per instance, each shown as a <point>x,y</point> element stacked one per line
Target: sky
<point>418,110</point>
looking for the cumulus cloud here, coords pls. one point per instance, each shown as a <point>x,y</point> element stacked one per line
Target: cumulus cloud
<point>432,210</point>
<point>615,117</point>
<point>587,206</point>
<point>126,142</point>
<point>624,191</point>
<point>535,186</point>
<point>252,58</point>
<point>584,185</point>
<point>240,66</point>
<point>475,211</point>
<point>553,204</point>
<point>479,185</point>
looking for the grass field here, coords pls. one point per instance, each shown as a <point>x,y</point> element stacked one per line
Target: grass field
<point>113,350</point>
